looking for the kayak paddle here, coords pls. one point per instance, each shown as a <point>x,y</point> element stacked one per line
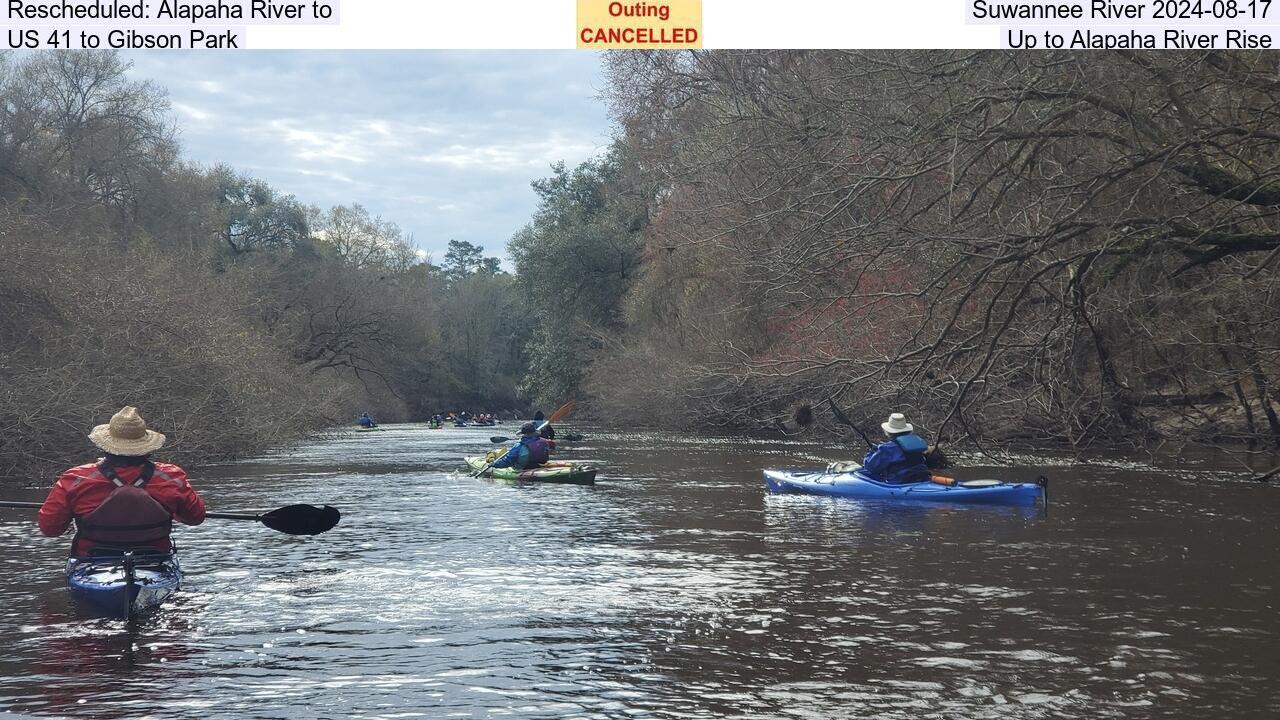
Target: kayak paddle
<point>290,519</point>
<point>934,456</point>
<point>571,437</point>
<point>846,421</point>
<point>558,414</point>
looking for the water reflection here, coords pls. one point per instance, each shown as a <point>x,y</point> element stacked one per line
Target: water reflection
<point>674,588</point>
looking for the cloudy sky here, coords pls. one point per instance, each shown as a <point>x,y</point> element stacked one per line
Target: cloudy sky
<point>442,143</point>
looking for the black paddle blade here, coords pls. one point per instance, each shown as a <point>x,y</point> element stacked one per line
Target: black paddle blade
<point>803,415</point>
<point>302,519</point>
<point>498,439</point>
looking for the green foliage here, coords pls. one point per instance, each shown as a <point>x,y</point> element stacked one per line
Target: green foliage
<point>555,365</point>
<point>463,260</point>
<point>256,218</point>
<point>575,263</point>
<point>484,330</point>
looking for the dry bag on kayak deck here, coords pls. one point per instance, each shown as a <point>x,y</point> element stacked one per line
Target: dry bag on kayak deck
<point>129,517</point>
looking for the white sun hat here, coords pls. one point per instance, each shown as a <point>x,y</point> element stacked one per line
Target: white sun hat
<point>126,434</point>
<point>897,424</point>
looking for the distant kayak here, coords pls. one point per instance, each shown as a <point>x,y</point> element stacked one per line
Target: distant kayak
<point>123,586</point>
<point>853,484</point>
<point>553,472</point>
<point>365,429</point>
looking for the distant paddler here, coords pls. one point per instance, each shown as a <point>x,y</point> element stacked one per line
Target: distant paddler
<point>545,429</point>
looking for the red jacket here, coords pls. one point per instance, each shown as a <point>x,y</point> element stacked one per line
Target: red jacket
<point>80,490</point>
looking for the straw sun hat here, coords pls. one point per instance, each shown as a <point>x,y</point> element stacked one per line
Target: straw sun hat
<point>126,434</point>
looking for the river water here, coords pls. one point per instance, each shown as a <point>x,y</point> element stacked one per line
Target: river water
<point>675,588</point>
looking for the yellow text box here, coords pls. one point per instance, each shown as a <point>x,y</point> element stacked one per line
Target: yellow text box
<point>617,24</point>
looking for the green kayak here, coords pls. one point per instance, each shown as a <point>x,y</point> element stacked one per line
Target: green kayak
<point>553,472</point>
<point>372,429</point>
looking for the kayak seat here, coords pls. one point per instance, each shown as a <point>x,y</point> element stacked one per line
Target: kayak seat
<point>140,552</point>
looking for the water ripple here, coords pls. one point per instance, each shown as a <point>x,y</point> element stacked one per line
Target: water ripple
<point>675,588</point>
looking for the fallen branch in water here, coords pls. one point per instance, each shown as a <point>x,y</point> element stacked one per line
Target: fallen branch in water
<point>1266,476</point>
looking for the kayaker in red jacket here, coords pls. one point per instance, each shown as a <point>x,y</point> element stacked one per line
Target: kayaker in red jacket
<point>124,500</point>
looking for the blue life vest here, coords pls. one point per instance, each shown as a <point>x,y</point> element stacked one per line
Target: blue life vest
<point>900,460</point>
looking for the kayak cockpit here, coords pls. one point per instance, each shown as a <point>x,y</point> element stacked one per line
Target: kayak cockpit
<point>125,584</point>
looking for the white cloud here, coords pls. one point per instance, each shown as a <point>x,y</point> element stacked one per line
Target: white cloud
<point>311,144</point>
<point>192,112</point>
<point>339,177</point>
<point>444,144</point>
<point>527,155</point>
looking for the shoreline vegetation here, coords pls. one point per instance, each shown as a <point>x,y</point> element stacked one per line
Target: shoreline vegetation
<point>1065,249</point>
<point>237,316</point>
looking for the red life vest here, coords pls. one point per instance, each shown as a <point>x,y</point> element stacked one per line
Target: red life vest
<point>128,518</point>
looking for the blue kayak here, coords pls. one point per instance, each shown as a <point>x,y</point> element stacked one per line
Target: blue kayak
<point>853,484</point>
<point>123,586</point>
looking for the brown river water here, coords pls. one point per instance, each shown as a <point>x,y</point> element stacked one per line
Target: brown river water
<point>674,588</point>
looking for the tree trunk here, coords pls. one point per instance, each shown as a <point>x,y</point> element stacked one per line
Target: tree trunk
<point>1260,384</point>
<point>1119,393</point>
<point>1235,384</point>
